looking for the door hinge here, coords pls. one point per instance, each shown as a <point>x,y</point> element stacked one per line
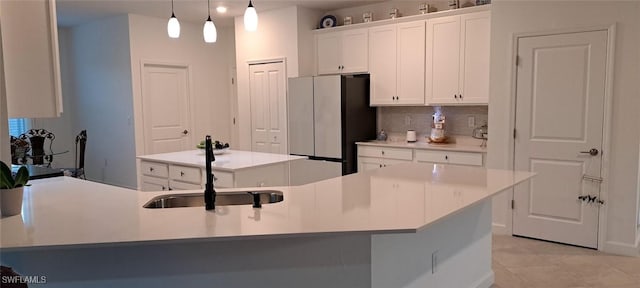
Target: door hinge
<point>514,133</point>
<point>517,60</point>
<point>513,204</point>
<point>233,80</point>
<point>234,120</point>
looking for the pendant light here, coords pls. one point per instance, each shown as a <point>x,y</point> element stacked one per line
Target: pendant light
<point>209,31</point>
<point>250,18</point>
<point>173,27</point>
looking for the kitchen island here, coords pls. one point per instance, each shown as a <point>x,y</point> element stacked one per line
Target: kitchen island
<point>184,170</point>
<point>410,225</point>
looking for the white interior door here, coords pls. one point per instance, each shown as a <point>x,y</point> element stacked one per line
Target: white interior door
<point>559,114</point>
<point>268,107</point>
<point>165,100</point>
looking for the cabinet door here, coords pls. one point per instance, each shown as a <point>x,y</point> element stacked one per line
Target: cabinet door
<point>354,50</point>
<point>443,60</point>
<point>177,185</point>
<point>366,163</point>
<point>382,64</point>
<point>474,67</point>
<point>410,63</point>
<point>31,58</point>
<point>328,51</point>
<point>154,184</point>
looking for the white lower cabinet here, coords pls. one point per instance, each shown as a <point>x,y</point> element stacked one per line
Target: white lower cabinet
<point>157,176</point>
<point>373,157</point>
<point>449,157</point>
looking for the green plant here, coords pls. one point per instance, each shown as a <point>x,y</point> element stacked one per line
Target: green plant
<point>7,181</point>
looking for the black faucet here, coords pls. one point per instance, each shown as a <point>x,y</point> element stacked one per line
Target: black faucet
<point>209,191</point>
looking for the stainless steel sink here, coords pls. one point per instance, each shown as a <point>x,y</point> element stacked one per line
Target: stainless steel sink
<point>222,199</point>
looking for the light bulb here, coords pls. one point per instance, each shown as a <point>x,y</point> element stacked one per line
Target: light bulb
<point>250,18</point>
<point>173,27</point>
<point>209,31</point>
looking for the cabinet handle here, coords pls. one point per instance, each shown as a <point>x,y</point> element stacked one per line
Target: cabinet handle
<point>446,157</point>
<point>380,165</point>
<point>460,96</point>
<point>455,96</point>
<point>382,152</point>
<point>181,173</point>
<point>163,188</point>
<point>215,178</point>
<point>170,189</point>
<point>150,169</point>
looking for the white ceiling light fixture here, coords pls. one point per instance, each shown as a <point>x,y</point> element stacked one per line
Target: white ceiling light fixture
<point>221,9</point>
<point>173,27</point>
<point>209,31</point>
<point>250,18</point>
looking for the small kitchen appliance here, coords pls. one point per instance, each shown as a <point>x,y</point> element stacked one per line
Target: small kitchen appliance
<point>411,136</point>
<point>437,128</point>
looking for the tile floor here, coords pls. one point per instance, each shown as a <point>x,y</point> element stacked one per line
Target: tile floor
<point>525,263</point>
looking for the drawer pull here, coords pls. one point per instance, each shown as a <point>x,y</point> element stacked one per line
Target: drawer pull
<point>446,157</point>
<point>382,152</point>
<point>151,169</point>
<point>181,173</point>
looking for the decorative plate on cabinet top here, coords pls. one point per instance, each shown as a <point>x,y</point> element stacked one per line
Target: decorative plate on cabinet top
<point>328,21</point>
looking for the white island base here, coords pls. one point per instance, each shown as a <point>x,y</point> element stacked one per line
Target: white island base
<point>461,243</point>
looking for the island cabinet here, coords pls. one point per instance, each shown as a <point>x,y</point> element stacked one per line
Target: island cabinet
<point>342,52</point>
<point>157,176</point>
<point>185,170</point>
<point>457,59</point>
<point>396,63</point>
<point>31,58</point>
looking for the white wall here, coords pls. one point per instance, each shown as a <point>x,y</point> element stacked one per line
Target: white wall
<point>509,17</point>
<point>277,37</point>
<point>103,99</point>
<point>209,66</point>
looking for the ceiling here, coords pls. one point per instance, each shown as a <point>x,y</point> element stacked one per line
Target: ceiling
<point>74,12</point>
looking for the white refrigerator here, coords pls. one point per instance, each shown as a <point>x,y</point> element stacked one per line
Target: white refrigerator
<point>326,116</point>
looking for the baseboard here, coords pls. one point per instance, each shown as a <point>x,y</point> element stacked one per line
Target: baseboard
<point>499,229</point>
<point>621,248</point>
<point>485,282</point>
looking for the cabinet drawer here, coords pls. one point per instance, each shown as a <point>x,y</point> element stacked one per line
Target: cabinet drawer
<point>223,179</point>
<point>387,153</point>
<point>185,174</point>
<point>154,169</point>
<point>460,158</point>
<point>177,185</point>
<point>154,184</point>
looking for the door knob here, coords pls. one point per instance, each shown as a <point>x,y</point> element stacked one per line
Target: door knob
<point>592,152</point>
<point>185,132</point>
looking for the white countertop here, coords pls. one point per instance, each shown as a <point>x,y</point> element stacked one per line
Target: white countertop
<point>401,198</point>
<point>426,146</point>
<point>230,161</point>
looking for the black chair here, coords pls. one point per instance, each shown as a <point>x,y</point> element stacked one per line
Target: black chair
<point>81,145</point>
<point>19,150</point>
<point>37,139</point>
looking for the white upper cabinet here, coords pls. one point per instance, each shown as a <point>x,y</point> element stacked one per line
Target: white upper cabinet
<point>457,59</point>
<point>31,58</point>
<point>342,52</point>
<point>396,64</point>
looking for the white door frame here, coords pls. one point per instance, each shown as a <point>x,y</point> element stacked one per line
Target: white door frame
<point>606,128</point>
<point>145,62</point>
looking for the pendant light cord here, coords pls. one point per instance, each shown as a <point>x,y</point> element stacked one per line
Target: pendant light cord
<point>172,14</point>
<point>250,4</point>
<point>209,8</point>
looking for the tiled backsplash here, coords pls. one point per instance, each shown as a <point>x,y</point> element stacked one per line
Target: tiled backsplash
<point>397,120</point>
